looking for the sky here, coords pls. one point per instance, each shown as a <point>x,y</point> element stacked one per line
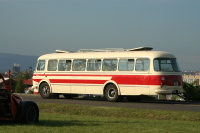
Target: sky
<point>37,27</point>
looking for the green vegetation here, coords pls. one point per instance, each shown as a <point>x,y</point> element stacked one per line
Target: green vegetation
<point>56,118</point>
<point>26,75</point>
<point>20,85</point>
<point>192,92</point>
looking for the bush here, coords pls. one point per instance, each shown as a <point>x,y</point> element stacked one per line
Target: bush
<point>192,92</point>
<point>30,92</point>
<point>20,85</point>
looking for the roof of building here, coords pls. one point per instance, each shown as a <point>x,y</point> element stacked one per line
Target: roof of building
<point>28,81</point>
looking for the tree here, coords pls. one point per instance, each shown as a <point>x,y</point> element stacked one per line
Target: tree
<point>191,91</point>
<point>26,75</point>
<point>20,85</point>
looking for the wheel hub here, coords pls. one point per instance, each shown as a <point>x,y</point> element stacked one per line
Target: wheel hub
<point>45,91</point>
<point>111,93</point>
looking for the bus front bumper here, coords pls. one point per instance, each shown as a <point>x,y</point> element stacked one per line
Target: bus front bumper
<point>170,90</point>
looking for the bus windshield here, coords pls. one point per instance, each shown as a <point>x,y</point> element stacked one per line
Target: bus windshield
<point>166,65</point>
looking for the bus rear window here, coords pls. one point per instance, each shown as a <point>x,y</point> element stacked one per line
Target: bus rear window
<point>41,65</point>
<point>166,65</point>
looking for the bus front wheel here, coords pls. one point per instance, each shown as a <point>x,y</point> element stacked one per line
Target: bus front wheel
<point>45,91</point>
<point>111,94</point>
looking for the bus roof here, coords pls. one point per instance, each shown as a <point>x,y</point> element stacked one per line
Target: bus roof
<point>100,55</point>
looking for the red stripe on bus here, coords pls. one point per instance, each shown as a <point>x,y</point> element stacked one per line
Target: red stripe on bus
<point>72,75</point>
<point>77,81</point>
<point>125,79</point>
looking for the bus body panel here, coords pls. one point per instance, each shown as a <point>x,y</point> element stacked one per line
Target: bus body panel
<point>127,84</point>
<point>134,82</point>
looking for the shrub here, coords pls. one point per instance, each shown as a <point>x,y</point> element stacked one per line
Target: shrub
<point>191,92</point>
<point>20,85</point>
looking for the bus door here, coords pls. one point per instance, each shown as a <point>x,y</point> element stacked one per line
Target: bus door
<point>142,75</point>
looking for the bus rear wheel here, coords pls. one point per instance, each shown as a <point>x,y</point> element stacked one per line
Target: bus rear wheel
<point>111,94</point>
<point>45,91</point>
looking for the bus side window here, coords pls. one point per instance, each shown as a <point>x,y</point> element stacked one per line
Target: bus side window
<point>109,65</point>
<point>41,65</point>
<point>64,65</point>
<point>142,64</point>
<point>94,65</point>
<point>126,65</point>
<point>79,65</point>
<point>68,65</point>
<point>52,65</point>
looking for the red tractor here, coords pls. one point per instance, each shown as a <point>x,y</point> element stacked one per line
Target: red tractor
<point>12,107</point>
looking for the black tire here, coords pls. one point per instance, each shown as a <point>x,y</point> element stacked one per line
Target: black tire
<point>31,114</point>
<point>45,91</point>
<point>111,94</point>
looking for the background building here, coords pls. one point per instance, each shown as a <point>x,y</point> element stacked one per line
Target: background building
<point>191,76</point>
<point>16,68</point>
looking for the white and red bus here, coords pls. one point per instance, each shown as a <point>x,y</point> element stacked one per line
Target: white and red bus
<point>113,73</point>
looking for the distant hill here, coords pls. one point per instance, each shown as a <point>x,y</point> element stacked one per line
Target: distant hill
<point>25,61</point>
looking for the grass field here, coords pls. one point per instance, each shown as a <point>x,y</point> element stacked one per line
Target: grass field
<point>55,118</point>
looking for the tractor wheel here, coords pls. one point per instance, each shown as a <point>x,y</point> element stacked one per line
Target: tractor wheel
<point>31,114</point>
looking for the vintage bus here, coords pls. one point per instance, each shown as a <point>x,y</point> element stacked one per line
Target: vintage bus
<point>112,73</point>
